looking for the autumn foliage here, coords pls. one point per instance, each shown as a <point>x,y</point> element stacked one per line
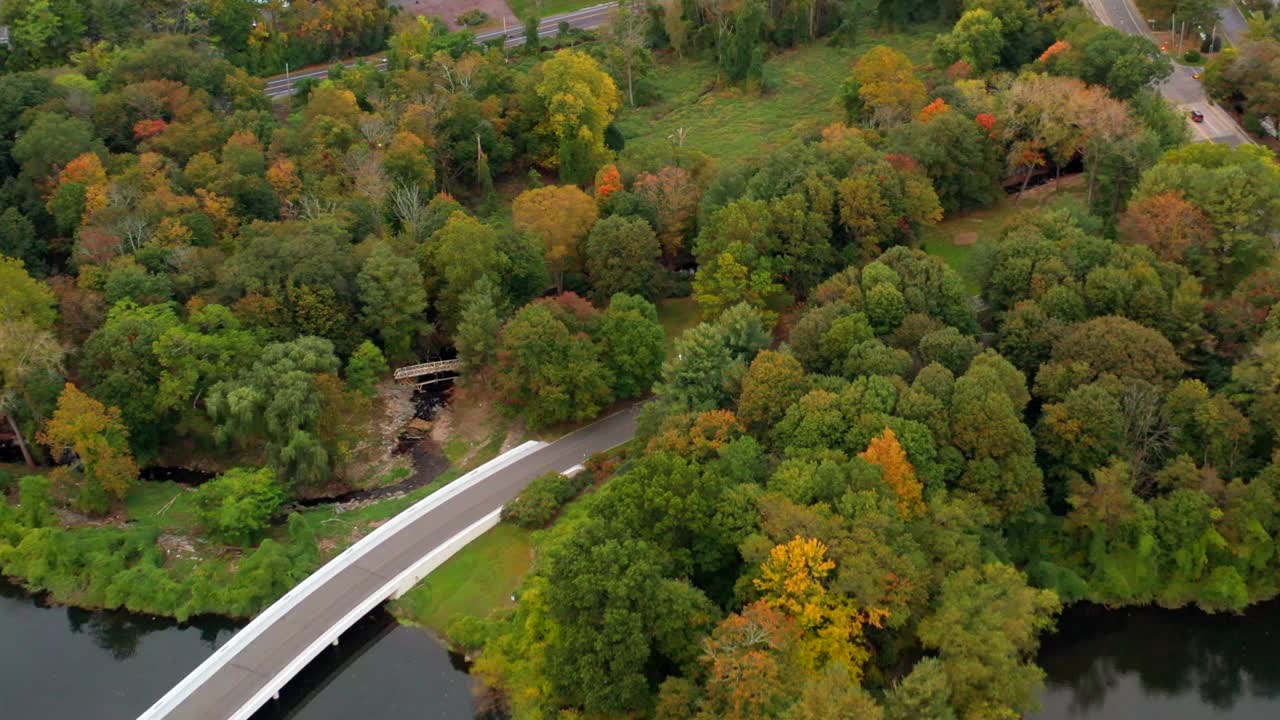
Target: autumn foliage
<point>897,471</point>
<point>95,435</point>
<point>933,110</point>
<point>608,181</point>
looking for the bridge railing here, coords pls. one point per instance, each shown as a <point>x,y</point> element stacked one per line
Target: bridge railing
<point>428,368</point>
<point>172,699</point>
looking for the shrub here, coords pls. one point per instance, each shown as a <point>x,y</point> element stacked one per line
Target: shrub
<point>541,501</point>
<point>1193,56</point>
<point>238,505</point>
<point>473,18</point>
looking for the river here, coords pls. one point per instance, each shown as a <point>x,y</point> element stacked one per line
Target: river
<point>67,664</point>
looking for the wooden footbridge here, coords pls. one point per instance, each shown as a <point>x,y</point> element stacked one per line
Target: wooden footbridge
<point>429,368</point>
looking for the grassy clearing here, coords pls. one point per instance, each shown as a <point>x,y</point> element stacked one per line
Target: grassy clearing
<point>167,506</point>
<point>985,225</point>
<point>546,8</point>
<point>676,316</point>
<point>733,124</point>
<point>477,581</point>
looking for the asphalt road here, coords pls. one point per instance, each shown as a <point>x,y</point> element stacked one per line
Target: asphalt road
<point>258,662</point>
<point>1182,89</point>
<point>1233,22</point>
<point>584,19</point>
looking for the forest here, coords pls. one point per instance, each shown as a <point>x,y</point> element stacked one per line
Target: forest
<point>863,485</point>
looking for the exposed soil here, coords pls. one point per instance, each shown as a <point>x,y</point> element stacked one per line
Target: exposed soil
<point>449,10</point>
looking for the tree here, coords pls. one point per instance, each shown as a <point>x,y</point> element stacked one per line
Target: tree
<point>30,366</point>
<point>977,39</point>
<point>560,216</point>
<point>1121,347</point>
<point>622,257</point>
<point>897,472</point>
<point>276,405</point>
<point>924,693</point>
<point>1167,223</point>
<point>957,154</point>
<point>674,195</point>
<point>1125,64</point>
<point>774,382</point>
<point>459,255</point>
<point>547,372</point>
<point>393,298</point>
<point>95,436</point>
<point>22,297</point>
<point>365,367</point>
<point>985,630</point>
<point>888,84</point>
<point>18,240</point>
<point>477,336</point>
<point>51,142</point>
<point>580,101</point>
<point>632,344</point>
<point>238,505</point>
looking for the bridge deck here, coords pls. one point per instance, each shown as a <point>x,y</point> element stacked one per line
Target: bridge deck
<point>429,368</point>
<point>230,690</point>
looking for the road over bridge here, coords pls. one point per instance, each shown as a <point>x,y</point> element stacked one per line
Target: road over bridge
<point>256,663</point>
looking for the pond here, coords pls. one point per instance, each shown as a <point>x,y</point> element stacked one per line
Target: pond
<point>64,664</point>
<point>1174,665</point>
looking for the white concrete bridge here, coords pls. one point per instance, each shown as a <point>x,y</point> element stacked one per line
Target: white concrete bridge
<point>257,662</point>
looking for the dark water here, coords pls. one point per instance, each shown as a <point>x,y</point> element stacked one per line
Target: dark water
<point>64,664</point>
<point>1172,665</point>
<point>61,664</point>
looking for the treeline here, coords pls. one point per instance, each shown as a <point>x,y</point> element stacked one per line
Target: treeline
<point>264,38</point>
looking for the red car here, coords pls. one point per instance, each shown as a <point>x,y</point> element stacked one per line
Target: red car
<point>1197,116</point>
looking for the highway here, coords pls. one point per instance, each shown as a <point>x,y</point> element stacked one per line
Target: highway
<point>584,19</point>
<point>235,686</point>
<point>1181,89</point>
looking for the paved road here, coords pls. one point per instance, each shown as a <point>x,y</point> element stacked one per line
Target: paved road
<point>1233,22</point>
<point>585,19</point>
<point>1182,89</point>
<point>267,655</point>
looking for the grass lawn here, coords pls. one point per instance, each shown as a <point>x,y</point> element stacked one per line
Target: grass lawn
<point>676,316</point>
<point>980,226</point>
<point>476,581</point>
<point>732,124</point>
<point>546,8</point>
<point>165,505</point>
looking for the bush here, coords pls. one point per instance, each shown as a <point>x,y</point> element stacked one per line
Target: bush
<point>238,505</point>
<point>1193,56</point>
<point>473,18</point>
<point>539,504</point>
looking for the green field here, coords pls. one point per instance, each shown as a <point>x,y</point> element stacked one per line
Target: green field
<point>547,8</point>
<point>731,123</point>
<point>476,581</point>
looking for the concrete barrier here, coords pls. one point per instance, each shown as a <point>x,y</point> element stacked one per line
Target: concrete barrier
<point>327,572</point>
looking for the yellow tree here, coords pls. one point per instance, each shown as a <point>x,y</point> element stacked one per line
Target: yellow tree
<point>792,580</point>
<point>580,101</point>
<point>888,85</point>
<point>98,439</point>
<point>560,216</point>
<point>897,471</point>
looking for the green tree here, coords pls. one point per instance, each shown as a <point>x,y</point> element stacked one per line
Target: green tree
<point>393,298</point>
<point>477,336</point>
<point>366,367</point>
<point>276,405</point>
<point>632,344</point>
<point>22,297</point>
<point>462,252</point>
<point>977,39</point>
<point>548,373</point>
<point>986,629</point>
<point>52,141</point>
<point>18,240</point>
<point>623,256</point>
<point>774,381</point>
<point>237,506</point>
